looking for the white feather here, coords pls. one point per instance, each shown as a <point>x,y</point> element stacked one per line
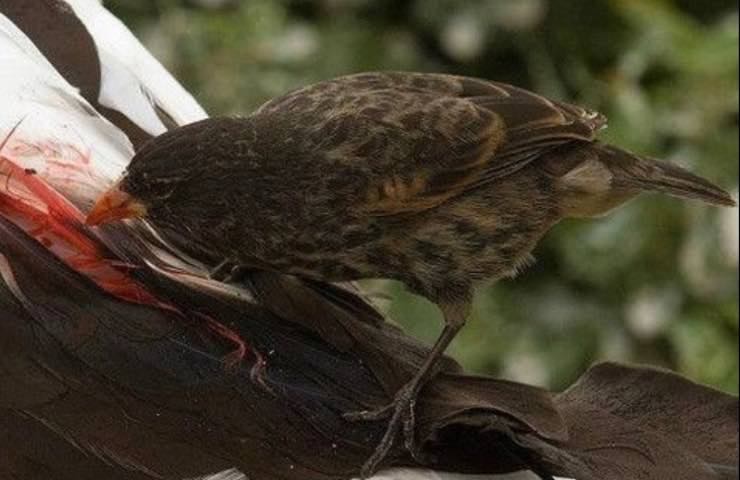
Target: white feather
<point>59,135</point>
<point>132,79</point>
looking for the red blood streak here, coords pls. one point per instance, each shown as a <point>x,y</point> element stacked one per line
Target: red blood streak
<point>45,215</point>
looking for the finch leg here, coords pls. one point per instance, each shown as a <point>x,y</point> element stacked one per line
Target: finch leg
<point>402,410</point>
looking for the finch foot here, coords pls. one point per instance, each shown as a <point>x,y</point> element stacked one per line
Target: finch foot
<point>402,410</point>
<point>402,416</point>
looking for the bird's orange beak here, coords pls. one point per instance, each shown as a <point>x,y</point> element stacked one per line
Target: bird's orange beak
<point>115,204</point>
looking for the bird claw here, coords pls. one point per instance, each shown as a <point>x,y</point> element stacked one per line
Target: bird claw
<point>402,418</point>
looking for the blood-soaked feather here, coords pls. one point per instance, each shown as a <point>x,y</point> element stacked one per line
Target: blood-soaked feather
<point>56,223</point>
<point>47,216</point>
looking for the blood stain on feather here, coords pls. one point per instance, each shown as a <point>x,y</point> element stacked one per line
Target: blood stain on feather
<point>48,217</point>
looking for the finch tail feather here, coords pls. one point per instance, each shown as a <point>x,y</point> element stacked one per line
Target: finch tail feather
<point>644,173</point>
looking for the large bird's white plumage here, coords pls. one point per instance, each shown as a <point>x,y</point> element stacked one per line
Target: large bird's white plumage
<point>133,81</point>
<point>59,135</point>
<point>49,112</point>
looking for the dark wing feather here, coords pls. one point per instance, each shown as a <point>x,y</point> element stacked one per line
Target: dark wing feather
<point>534,124</point>
<point>430,137</point>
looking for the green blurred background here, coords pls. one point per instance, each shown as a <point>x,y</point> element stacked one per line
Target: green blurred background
<point>654,282</point>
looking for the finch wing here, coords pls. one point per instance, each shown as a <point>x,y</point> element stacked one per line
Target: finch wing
<point>430,137</point>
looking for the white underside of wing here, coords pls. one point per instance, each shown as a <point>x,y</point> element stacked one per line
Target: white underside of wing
<point>59,135</point>
<point>132,79</point>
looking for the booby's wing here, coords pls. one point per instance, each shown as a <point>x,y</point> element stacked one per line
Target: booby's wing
<point>133,82</point>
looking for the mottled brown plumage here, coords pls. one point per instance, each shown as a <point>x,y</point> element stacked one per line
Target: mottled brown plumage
<point>438,181</point>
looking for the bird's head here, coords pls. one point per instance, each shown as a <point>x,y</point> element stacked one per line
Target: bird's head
<point>144,191</point>
<point>163,178</point>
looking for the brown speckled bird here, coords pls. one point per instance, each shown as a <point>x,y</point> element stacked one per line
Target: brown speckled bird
<point>438,181</point>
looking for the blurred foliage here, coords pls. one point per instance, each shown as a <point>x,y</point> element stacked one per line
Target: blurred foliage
<point>654,282</point>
